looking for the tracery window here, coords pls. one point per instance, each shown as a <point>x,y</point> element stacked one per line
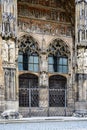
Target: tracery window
<point>58,57</point>
<point>28,58</point>
<point>58,63</point>
<point>28,61</point>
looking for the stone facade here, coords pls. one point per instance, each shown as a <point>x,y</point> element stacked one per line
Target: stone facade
<point>81,70</point>
<point>44,32</point>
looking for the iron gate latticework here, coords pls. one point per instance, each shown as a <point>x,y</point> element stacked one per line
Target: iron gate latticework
<point>29,96</point>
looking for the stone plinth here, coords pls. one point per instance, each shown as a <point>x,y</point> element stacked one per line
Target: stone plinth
<point>11,105</point>
<point>81,108</point>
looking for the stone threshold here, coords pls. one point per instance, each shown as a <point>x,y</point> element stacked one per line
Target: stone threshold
<point>42,119</point>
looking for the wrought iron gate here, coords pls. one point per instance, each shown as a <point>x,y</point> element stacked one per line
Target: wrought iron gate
<point>58,96</point>
<point>28,93</point>
<point>30,97</point>
<point>57,102</point>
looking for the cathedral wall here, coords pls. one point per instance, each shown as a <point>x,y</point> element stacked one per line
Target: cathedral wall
<point>44,25</point>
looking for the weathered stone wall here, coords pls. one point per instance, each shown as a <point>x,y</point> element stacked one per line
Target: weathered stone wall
<point>44,32</point>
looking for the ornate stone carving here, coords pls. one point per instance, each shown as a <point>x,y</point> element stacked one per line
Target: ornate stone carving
<point>51,14</point>
<point>43,79</point>
<point>8,52</point>
<point>11,53</point>
<point>80,59</point>
<point>85,61</point>
<point>4,51</point>
<point>43,63</point>
<point>47,28</point>
<point>9,21</point>
<point>28,44</point>
<point>58,46</point>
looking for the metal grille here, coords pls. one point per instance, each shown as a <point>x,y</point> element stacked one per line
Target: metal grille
<point>28,97</point>
<point>32,100</point>
<point>57,98</point>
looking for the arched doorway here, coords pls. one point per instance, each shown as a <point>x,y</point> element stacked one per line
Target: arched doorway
<point>57,95</point>
<point>28,92</point>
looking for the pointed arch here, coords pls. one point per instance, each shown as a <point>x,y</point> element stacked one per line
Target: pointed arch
<point>58,45</point>
<point>27,42</point>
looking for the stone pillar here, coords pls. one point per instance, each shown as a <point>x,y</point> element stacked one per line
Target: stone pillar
<point>43,97</point>
<point>9,35</point>
<point>70,100</point>
<point>81,57</point>
<point>2,87</point>
<point>81,88</point>
<point>70,81</point>
<point>43,78</point>
<point>43,83</point>
<point>81,104</point>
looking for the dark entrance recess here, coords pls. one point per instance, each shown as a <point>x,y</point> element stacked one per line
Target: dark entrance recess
<point>57,91</point>
<point>28,91</point>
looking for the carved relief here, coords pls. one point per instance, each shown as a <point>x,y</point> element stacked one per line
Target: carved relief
<point>44,14</point>
<point>45,28</point>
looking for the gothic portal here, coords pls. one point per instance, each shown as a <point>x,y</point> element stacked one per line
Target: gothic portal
<point>43,57</point>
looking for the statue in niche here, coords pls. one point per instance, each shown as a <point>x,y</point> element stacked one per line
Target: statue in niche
<point>43,63</point>
<point>43,79</point>
<point>4,51</point>
<point>85,60</point>
<point>11,53</point>
<point>80,59</point>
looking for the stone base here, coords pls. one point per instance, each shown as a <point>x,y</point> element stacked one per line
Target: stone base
<point>11,105</point>
<point>80,109</point>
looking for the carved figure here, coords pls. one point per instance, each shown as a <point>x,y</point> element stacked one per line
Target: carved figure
<point>4,51</point>
<point>43,63</point>
<point>80,59</point>
<point>43,79</point>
